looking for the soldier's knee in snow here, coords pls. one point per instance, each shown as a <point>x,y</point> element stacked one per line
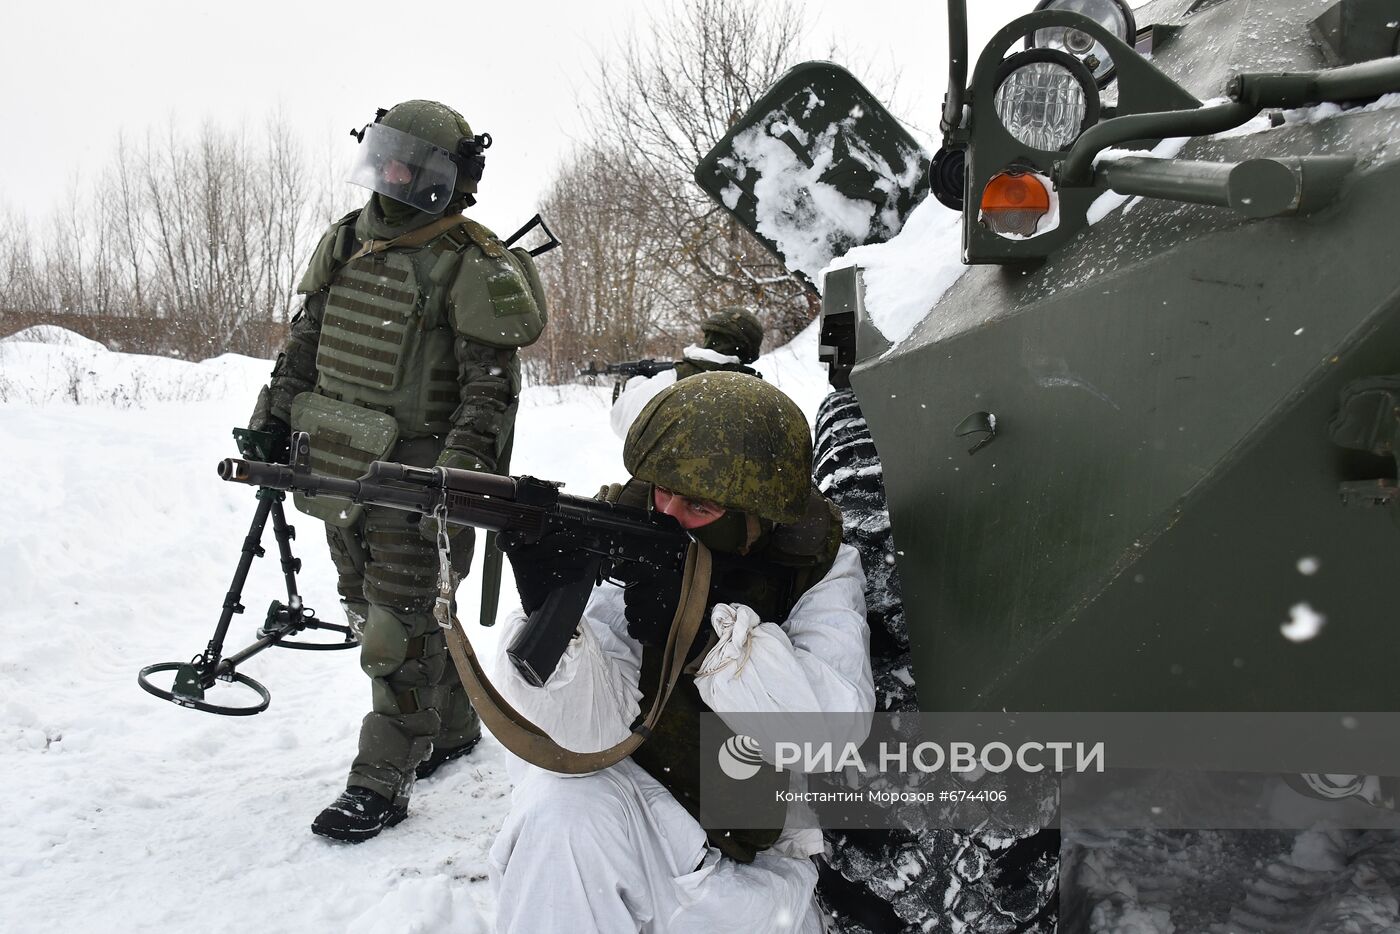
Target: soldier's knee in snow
<point>577,808</point>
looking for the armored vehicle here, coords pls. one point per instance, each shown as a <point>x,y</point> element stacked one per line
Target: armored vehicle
<point>1134,419</point>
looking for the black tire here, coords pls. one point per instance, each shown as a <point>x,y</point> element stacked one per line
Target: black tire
<point>878,881</point>
<point>846,467</point>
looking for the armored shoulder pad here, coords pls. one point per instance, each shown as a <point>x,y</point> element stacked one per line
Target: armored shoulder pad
<point>493,300</point>
<point>336,244</point>
<point>532,276</point>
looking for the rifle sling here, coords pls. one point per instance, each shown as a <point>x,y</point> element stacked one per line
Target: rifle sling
<point>532,744</point>
<point>492,559</point>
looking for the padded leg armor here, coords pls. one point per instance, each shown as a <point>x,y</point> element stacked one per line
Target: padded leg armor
<point>389,572</point>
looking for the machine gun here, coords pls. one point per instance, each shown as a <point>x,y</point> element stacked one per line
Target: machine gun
<point>626,370</point>
<point>609,533</point>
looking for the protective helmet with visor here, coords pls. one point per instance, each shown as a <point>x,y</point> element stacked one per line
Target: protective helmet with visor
<point>414,171</point>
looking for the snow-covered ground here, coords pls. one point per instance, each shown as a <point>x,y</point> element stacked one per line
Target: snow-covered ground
<point>125,813</point>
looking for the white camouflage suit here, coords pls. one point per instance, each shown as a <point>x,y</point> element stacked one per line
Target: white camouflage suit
<point>613,851</point>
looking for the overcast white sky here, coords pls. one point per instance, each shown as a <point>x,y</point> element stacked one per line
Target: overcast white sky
<point>74,74</point>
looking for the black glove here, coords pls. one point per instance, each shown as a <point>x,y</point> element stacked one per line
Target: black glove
<point>543,566</point>
<point>650,597</point>
<point>452,457</point>
<point>278,444</point>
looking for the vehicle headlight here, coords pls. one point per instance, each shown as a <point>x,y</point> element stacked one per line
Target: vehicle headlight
<point>1045,98</point>
<point>1114,15</point>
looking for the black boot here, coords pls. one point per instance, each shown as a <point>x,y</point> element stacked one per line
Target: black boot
<point>357,815</point>
<point>439,757</point>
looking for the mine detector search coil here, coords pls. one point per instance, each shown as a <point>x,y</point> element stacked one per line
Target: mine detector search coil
<point>283,620</point>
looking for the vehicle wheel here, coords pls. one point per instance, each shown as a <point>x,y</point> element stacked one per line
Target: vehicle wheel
<point>878,881</point>
<point>847,468</point>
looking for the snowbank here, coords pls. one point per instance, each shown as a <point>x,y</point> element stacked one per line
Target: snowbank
<point>45,364</point>
<point>126,813</point>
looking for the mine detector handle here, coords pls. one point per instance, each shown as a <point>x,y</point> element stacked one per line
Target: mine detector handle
<point>611,533</point>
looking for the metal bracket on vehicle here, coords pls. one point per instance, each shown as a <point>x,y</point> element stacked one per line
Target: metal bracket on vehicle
<point>982,426</point>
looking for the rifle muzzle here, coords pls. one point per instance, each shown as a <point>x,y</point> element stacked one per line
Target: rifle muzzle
<point>237,470</point>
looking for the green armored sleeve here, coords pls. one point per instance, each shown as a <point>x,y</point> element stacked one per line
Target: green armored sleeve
<point>495,297</point>
<point>481,426</point>
<point>295,370</point>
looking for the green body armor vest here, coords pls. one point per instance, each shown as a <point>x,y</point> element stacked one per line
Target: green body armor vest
<point>770,580</point>
<point>383,344</point>
<point>386,365</point>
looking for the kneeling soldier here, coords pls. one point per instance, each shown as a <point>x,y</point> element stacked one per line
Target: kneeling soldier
<point>729,457</point>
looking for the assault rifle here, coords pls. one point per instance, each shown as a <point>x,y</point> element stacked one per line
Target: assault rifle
<point>626,370</point>
<point>611,534</point>
<point>629,368</point>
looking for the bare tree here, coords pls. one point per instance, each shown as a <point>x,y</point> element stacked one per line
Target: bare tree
<point>201,237</point>
<point>20,265</point>
<point>123,222</point>
<point>674,91</point>
<point>607,286</point>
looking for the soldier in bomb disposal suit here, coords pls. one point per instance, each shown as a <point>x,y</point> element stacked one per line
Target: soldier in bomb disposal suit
<point>404,350</point>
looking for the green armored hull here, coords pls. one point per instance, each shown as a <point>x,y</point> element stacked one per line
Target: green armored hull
<point>1141,453</point>
<point>1170,508</point>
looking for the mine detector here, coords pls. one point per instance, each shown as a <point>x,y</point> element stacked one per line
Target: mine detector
<point>1150,432</point>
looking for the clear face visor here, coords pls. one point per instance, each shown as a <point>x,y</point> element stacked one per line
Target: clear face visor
<point>404,168</point>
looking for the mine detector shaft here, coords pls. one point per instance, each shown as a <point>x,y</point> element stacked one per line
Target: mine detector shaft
<point>1121,454</point>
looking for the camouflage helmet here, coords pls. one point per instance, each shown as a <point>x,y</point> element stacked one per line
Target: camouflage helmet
<point>440,125</point>
<point>735,331</point>
<point>729,438</point>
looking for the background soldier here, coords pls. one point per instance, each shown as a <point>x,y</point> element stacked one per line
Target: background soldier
<point>732,337</point>
<point>405,350</point>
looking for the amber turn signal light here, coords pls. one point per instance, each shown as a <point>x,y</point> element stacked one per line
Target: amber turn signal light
<point>1014,203</point>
